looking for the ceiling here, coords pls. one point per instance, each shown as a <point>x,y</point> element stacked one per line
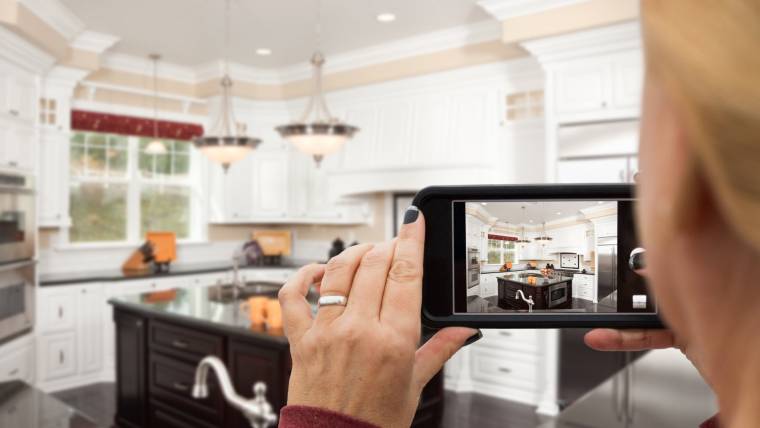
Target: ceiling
<point>511,212</point>
<point>189,32</point>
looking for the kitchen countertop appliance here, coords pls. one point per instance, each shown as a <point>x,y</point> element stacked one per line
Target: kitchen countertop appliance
<point>17,235</point>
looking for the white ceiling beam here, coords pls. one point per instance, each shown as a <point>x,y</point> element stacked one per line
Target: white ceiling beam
<point>57,15</point>
<point>506,9</point>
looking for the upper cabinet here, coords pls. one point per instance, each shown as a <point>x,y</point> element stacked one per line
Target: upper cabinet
<point>18,93</point>
<point>601,88</point>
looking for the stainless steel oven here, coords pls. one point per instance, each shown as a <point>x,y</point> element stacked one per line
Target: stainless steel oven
<point>16,299</point>
<point>558,294</point>
<point>17,218</point>
<point>473,267</point>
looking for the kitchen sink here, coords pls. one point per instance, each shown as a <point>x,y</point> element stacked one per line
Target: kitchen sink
<point>226,292</point>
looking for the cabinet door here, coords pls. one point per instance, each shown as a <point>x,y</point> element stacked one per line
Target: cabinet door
<point>59,356</point>
<point>236,185</point>
<point>57,309</point>
<point>627,77</point>
<point>131,397</point>
<point>90,329</point>
<point>53,179</point>
<point>270,185</point>
<point>23,96</point>
<point>251,363</point>
<point>17,364</point>
<point>581,88</point>
<point>611,170</point>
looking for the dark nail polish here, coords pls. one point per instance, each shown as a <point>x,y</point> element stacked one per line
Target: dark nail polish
<point>411,214</point>
<point>474,338</point>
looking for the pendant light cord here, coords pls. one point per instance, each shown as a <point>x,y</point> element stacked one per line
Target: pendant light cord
<point>317,99</point>
<point>155,58</point>
<point>227,117</point>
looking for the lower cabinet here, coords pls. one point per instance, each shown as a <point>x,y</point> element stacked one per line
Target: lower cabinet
<point>131,371</point>
<point>17,360</point>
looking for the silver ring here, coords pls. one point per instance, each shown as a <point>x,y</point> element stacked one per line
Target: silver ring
<point>332,301</point>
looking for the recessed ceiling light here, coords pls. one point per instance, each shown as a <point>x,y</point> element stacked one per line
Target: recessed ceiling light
<point>531,221</point>
<point>600,202</point>
<point>263,51</point>
<point>484,203</point>
<point>386,17</point>
<point>559,213</point>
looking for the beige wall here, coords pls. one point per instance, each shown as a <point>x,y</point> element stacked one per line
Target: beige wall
<point>573,17</point>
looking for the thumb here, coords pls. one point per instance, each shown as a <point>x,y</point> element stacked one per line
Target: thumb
<point>431,357</point>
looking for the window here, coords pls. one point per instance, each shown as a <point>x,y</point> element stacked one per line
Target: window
<point>524,105</point>
<point>118,192</point>
<point>500,251</point>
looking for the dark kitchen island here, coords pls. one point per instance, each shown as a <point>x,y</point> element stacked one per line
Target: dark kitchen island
<point>548,292</point>
<point>161,337</point>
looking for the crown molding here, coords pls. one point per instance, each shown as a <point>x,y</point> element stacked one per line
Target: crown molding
<point>419,45</point>
<point>57,15</point>
<point>94,42</point>
<point>436,41</point>
<point>609,39</point>
<point>22,53</point>
<point>139,65</point>
<point>506,9</point>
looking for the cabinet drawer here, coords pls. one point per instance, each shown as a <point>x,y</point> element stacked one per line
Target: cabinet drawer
<point>58,311</point>
<point>520,340</point>
<point>17,365</point>
<point>171,383</point>
<point>165,417</point>
<point>188,344</point>
<point>503,368</point>
<point>59,358</point>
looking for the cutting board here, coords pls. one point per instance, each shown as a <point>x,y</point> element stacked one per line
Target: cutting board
<point>274,242</point>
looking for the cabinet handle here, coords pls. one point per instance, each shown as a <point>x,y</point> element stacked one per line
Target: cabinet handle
<point>179,344</point>
<point>505,370</point>
<point>13,112</point>
<point>13,372</point>
<point>179,386</point>
<point>61,358</point>
<point>60,312</point>
<point>506,333</point>
<point>13,163</point>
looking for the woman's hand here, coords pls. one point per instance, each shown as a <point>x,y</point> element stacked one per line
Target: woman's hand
<point>361,359</point>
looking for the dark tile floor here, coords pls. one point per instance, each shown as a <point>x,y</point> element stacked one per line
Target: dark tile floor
<point>461,410</point>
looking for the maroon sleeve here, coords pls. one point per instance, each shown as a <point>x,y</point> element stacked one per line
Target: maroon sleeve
<point>314,417</point>
<point>711,423</point>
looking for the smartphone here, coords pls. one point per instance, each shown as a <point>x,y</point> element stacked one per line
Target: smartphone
<point>537,256</point>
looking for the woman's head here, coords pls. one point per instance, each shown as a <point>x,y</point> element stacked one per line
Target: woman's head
<point>700,155</point>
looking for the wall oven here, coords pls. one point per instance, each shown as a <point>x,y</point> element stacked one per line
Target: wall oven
<point>17,218</point>
<point>16,299</point>
<point>473,267</point>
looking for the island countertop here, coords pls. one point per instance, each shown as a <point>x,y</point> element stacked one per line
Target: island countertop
<point>211,308</point>
<point>541,280</point>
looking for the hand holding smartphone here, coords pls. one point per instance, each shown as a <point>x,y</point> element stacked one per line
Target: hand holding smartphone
<point>540,256</point>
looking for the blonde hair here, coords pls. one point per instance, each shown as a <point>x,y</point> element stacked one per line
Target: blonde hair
<point>707,56</point>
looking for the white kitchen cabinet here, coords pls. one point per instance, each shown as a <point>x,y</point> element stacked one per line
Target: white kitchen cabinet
<point>607,170</point>
<point>17,146</point>
<point>57,356</point>
<point>17,360</point>
<point>603,87</point>
<point>584,287</point>
<point>270,184</point>
<point>18,93</point>
<point>90,329</point>
<point>52,186</point>
<point>489,285</point>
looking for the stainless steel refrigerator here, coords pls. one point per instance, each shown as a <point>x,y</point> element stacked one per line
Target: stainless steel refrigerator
<point>607,270</point>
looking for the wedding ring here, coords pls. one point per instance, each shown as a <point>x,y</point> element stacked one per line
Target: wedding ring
<point>332,301</point>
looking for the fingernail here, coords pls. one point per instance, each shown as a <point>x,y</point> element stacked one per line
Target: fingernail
<point>474,338</point>
<point>411,214</point>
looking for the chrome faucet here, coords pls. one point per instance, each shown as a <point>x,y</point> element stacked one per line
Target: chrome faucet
<point>520,295</point>
<point>237,284</point>
<point>257,410</point>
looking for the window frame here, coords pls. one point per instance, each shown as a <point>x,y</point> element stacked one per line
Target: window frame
<point>502,250</point>
<point>135,183</point>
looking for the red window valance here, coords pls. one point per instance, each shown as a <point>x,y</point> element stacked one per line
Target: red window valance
<point>130,125</point>
<point>502,237</point>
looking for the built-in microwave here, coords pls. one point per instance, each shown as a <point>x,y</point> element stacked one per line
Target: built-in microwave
<point>17,218</point>
<point>16,299</point>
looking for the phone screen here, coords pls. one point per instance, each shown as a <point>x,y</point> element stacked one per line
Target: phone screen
<point>546,256</point>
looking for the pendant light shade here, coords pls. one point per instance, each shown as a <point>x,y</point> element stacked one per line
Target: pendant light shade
<point>224,145</point>
<point>156,147</point>
<point>317,132</point>
<point>544,236</point>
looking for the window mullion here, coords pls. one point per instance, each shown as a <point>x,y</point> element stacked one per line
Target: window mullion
<point>133,191</point>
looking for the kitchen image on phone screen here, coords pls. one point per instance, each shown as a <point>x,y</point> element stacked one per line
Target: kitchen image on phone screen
<point>548,256</point>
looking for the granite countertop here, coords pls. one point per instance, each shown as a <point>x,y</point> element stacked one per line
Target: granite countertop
<point>541,281</point>
<point>209,307</point>
<point>22,405</point>
<point>496,270</point>
<point>174,270</point>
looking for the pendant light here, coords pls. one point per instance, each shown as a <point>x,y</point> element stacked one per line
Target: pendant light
<point>544,236</point>
<point>319,134</point>
<point>522,239</point>
<point>224,145</point>
<point>156,146</point>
